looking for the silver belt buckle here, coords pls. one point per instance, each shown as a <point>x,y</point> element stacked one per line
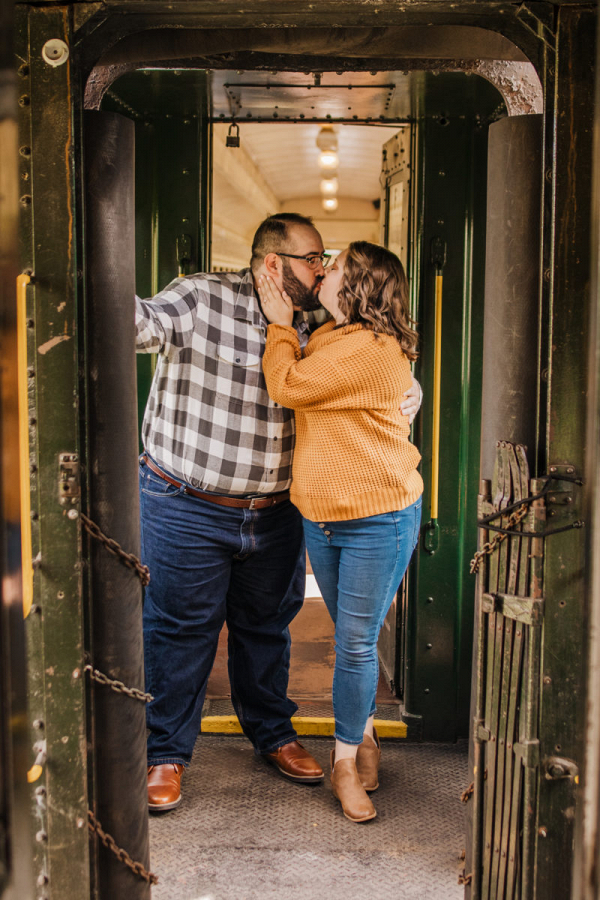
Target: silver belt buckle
<point>253,501</point>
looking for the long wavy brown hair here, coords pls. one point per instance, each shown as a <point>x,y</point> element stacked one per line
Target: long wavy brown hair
<point>374,294</point>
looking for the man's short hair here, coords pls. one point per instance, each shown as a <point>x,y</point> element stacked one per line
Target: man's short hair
<point>272,235</point>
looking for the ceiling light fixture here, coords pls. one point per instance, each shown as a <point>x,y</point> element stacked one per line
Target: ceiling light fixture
<point>328,159</point>
<point>327,138</point>
<point>327,143</point>
<point>330,204</point>
<point>329,186</point>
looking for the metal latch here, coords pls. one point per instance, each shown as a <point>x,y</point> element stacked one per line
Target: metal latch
<point>557,767</point>
<point>69,482</point>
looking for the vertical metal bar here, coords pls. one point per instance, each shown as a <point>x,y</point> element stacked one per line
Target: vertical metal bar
<point>501,756</point>
<point>474,864</point>
<point>512,775</point>
<point>529,732</point>
<point>492,754</point>
<point>26,556</point>
<point>437,386</point>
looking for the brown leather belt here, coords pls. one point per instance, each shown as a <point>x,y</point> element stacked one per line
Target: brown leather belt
<point>238,502</point>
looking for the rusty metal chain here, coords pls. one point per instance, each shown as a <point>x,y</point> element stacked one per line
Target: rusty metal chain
<point>467,793</point>
<point>110,843</point>
<point>465,879</point>
<point>488,548</point>
<point>129,559</point>
<point>117,686</point>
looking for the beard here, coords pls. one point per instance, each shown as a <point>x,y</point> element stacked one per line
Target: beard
<point>304,297</point>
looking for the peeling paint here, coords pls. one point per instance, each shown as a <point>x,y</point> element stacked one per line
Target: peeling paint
<point>44,348</point>
<point>518,82</point>
<point>61,306</point>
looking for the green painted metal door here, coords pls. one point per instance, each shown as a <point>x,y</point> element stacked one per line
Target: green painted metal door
<point>434,178</point>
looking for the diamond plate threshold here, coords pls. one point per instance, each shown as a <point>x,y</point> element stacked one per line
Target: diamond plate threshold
<point>314,720</point>
<point>242,832</point>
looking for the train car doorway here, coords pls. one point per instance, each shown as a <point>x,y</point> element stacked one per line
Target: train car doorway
<point>448,112</point>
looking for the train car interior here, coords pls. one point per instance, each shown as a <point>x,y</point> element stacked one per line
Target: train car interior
<point>448,140</point>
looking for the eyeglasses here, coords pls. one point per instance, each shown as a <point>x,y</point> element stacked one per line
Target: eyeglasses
<point>313,259</point>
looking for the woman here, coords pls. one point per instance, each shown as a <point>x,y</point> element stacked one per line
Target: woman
<point>355,479</point>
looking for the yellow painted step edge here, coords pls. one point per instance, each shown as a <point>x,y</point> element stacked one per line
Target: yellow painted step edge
<point>306,725</point>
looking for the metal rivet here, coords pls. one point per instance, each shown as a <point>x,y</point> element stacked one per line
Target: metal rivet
<point>76,673</point>
<point>25,100</point>
<point>38,724</point>
<point>543,832</point>
<point>426,691</point>
<point>547,679</point>
<point>428,646</point>
<point>25,151</point>
<point>25,200</point>
<point>42,880</point>
<point>80,823</point>
<point>41,836</point>
<point>72,514</point>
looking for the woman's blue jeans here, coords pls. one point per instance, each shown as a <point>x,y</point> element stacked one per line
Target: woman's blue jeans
<point>359,564</point>
<point>212,564</point>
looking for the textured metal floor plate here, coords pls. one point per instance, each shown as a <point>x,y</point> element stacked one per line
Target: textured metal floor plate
<point>322,708</point>
<point>244,833</point>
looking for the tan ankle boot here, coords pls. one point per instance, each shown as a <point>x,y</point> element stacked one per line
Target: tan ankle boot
<point>367,762</point>
<point>349,791</point>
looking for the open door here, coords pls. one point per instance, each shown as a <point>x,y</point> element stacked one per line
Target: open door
<point>395,215</point>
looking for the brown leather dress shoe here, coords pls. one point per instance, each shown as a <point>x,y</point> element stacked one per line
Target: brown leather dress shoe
<point>295,763</point>
<point>164,786</point>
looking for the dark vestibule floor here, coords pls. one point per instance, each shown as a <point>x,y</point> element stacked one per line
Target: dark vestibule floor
<point>242,832</point>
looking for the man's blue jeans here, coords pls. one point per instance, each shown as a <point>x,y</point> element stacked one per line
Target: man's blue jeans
<point>212,564</point>
<point>359,564</point>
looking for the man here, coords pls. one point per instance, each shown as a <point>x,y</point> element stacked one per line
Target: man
<point>223,541</point>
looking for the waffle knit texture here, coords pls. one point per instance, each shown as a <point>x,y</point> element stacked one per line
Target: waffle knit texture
<point>352,457</point>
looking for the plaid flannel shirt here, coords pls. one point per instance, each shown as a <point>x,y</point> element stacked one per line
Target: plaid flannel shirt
<point>209,418</point>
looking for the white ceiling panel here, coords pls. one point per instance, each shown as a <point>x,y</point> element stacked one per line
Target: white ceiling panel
<point>288,157</point>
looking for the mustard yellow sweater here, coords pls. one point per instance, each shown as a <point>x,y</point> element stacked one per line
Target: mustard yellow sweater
<point>352,457</point>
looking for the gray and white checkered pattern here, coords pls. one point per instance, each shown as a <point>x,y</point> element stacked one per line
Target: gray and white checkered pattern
<point>209,419</point>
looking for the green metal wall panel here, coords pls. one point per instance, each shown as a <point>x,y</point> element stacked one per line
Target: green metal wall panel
<point>55,626</point>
